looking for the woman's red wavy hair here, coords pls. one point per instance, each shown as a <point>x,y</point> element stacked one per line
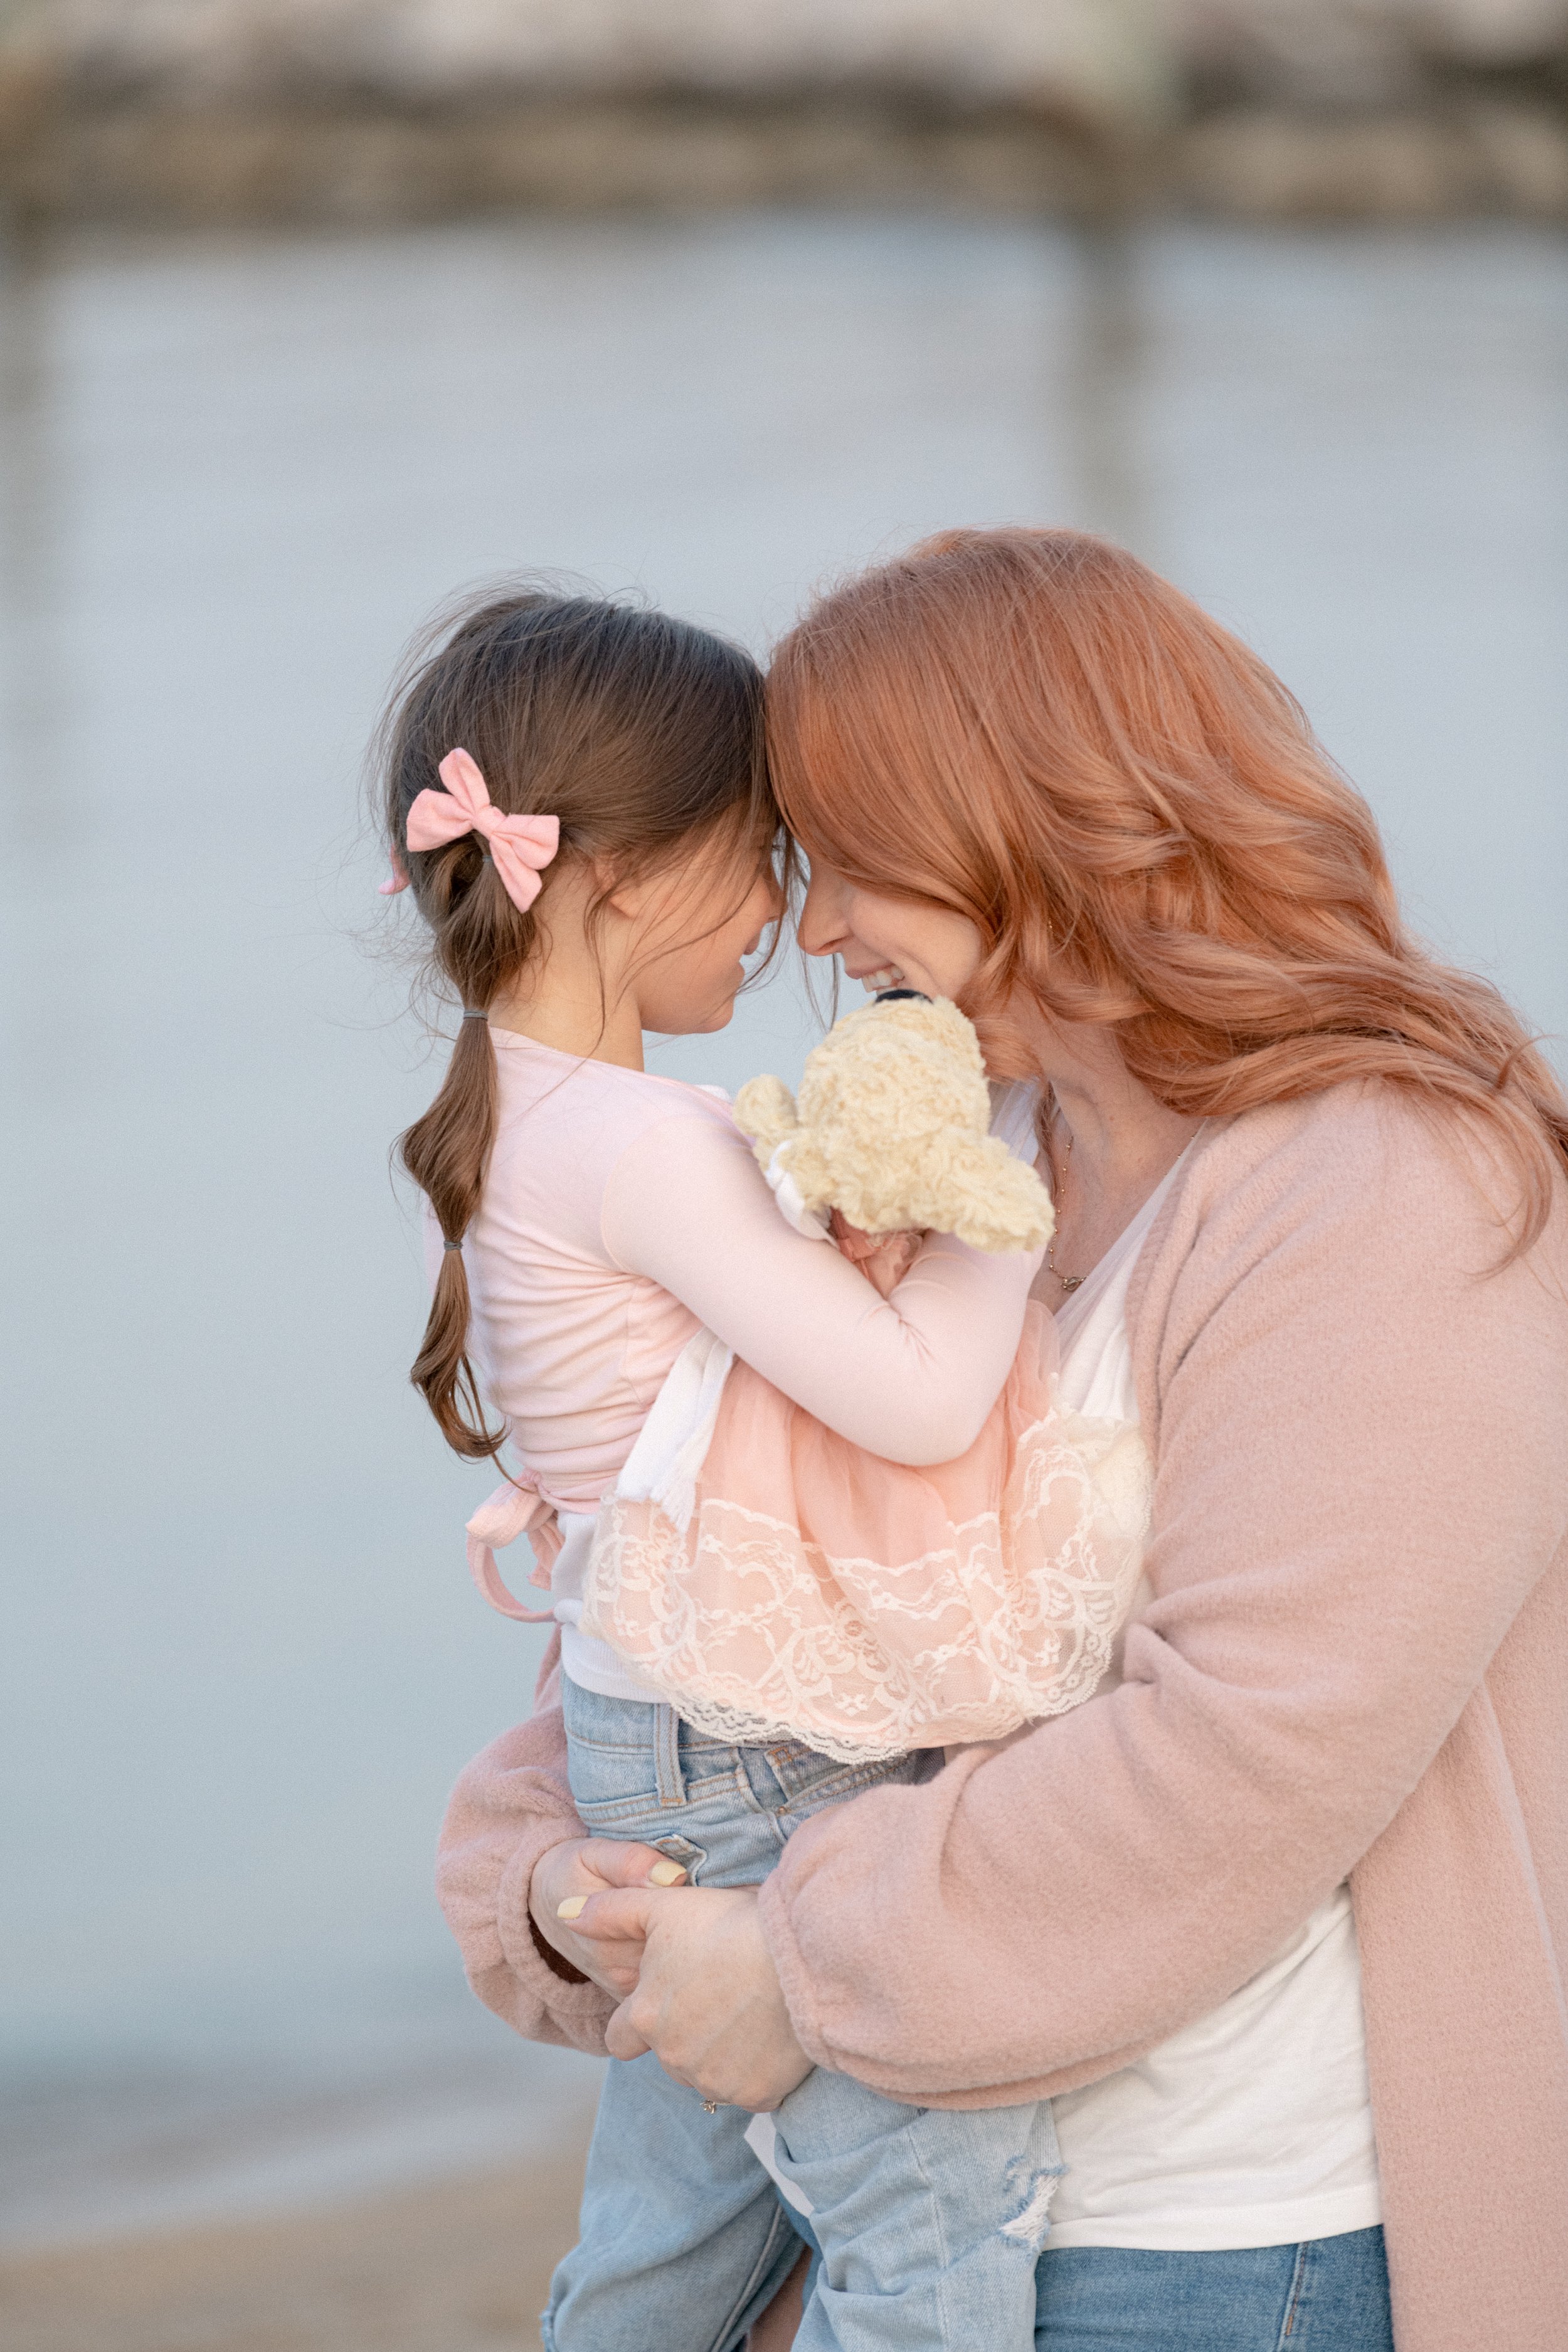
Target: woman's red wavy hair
<point>1033,729</point>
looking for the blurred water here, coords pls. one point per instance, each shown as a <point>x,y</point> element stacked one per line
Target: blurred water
<point>242,1659</point>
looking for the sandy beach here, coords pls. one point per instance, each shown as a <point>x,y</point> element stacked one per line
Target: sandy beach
<point>461,2266</point>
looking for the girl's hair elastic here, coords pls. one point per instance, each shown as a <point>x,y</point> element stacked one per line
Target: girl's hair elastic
<point>472,1013</point>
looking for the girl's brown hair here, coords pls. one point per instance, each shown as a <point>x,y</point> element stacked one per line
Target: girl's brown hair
<point>1034,729</point>
<point>643,735</point>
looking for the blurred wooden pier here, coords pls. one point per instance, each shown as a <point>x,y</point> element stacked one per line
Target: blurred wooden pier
<point>243,110</point>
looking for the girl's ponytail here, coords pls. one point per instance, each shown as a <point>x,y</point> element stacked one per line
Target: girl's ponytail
<point>446,1152</point>
<point>638,733</point>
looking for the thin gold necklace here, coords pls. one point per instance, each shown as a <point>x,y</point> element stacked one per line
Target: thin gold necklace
<point>1069,1282</point>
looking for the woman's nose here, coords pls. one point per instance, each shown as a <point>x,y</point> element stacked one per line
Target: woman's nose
<point>823,930</point>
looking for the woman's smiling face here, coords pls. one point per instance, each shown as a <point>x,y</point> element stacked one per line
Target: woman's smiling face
<point>888,943</point>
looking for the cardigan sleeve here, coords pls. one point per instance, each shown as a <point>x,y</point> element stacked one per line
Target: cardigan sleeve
<point>510,1806</point>
<point>1357,1417</point>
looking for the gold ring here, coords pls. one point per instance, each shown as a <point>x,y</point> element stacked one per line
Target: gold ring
<point>709,2106</point>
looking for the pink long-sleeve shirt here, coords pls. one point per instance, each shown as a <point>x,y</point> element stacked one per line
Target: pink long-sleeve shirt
<point>622,1211</point>
<point>1356,1661</point>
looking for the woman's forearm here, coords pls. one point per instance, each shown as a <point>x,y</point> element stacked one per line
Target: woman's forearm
<point>514,1868</point>
<point>509,1807</point>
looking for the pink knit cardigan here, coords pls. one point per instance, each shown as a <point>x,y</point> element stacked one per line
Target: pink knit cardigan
<point>1356,1662</point>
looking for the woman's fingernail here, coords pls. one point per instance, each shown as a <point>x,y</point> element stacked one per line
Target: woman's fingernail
<point>572,1908</point>
<point>666,1873</point>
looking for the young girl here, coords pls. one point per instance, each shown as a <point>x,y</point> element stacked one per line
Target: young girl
<point>575,792</point>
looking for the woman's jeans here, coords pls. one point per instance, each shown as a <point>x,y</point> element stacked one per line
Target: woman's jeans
<point>1329,2295</point>
<point>928,2220</point>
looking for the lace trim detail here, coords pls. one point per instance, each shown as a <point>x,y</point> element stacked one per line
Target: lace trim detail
<point>754,1632</point>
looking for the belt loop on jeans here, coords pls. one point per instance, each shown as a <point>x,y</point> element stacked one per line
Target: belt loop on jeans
<point>666,1755</point>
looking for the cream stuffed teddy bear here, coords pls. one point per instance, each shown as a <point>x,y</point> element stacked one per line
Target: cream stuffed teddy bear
<point>891,1130</point>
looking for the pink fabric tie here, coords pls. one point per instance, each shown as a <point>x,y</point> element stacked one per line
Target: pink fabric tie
<point>517,1507</point>
<point>522,846</point>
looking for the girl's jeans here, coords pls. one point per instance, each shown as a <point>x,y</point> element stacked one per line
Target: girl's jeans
<point>929,2220</point>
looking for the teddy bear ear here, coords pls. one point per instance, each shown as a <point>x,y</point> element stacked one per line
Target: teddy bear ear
<point>765,1109</point>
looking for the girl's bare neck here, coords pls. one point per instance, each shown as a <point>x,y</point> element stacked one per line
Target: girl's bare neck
<point>569,1003</point>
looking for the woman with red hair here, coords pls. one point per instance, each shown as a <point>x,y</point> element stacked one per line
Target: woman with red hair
<point>1276,1917</point>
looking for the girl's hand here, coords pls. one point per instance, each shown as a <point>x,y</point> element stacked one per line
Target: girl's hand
<point>708,2003</point>
<point>883,1258</point>
<point>582,1867</point>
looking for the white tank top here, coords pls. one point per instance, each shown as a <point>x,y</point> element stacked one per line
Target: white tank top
<point>1252,2126</point>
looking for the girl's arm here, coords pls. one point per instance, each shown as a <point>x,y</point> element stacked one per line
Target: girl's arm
<point>910,1377</point>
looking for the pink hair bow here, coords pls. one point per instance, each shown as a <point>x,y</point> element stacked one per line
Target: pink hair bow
<point>522,846</point>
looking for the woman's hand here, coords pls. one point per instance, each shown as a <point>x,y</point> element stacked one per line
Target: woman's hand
<point>708,2003</point>
<point>562,1881</point>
